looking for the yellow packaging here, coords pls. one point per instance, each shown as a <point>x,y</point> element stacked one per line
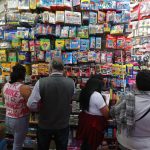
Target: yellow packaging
<point>32,4</point>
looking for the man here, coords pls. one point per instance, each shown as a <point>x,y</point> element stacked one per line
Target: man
<point>54,93</point>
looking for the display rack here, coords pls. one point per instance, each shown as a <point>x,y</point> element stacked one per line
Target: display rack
<point>91,36</point>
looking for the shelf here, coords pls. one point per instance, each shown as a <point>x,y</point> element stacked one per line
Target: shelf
<point>31,135</point>
<point>33,122</point>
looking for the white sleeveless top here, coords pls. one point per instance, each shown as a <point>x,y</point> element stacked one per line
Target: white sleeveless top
<point>16,105</point>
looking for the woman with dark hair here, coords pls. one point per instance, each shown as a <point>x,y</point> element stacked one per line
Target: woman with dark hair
<point>17,114</point>
<point>132,115</point>
<point>92,119</point>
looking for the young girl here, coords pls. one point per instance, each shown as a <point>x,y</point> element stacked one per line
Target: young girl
<point>92,119</point>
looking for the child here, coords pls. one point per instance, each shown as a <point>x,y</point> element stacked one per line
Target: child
<point>3,142</point>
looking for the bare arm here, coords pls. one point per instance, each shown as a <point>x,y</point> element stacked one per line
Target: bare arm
<point>105,111</point>
<point>25,91</point>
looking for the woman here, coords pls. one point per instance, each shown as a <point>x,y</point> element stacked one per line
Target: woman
<point>17,114</point>
<point>92,119</point>
<point>132,115</point>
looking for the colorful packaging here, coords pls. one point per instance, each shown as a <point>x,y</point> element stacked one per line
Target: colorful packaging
<point>32,4</point>
<point>117,29</point>
<point>25,45</point>
<point>85,71</point>
<point>83,56</point>
<point>73,17</point>
<point>48,56</point>
<point>91,56</point>
<point>144,9</point>
<point>55,53</point>
<point>22,33</point>
<point>32,46</point>
<point>68,71</point>
<point>9,35</point>
<point>98,43</point>
<point>111,42</point>
<point>72,32</point>
<point>40,55</point>
<point>34,69</point>
<point>100,29</point>
<point>85,16</point>
<point>120,42</point>
<point>76,71</point>
<point>128,44</point>
<point>12,57</point>
<point>74,57</point>
<point>107,27</point>
<point>24,57</point>
<point>85,4</point>
<point>101,17</point>
<point>93,18</point>
<point>103,57</point>
<point>125,16</point>
<point>98,59</point>
<point>92,29</point>
<point>52,18</point>
<point>59,44</point>
<point>13,18</point>
<point>93,69</point>
<point>75,43</point>
<point>16,43</point>
<point>128,56</point>
<point>93,5</point>
<point>6,68</point>
<point>118,18</point>
<point>68,3</point>
<point>1,34</point>
<point>11,4</point>
<point>123,5</point>
<point>83,32</point>
<point>65,32</point>
<point>37,44</point>
<point>24,4</point>
<point>3,57</point>
<point>58,30</point>
<point>67,44</point>
<point>127,28</point>
<point>92,42</point>
<point>45,44</point>
<point>84,44</point>
<point>67,57</point>
<point>60,16</point>
<point>33,57</point>
<point>76,3</point>
<point>109,57</point>
<point>110,16</point>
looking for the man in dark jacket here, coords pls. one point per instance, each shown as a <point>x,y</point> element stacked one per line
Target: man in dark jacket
<point>54,94</point>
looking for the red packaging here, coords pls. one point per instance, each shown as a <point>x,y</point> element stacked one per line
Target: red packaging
<point>111,42</point>
<point>120,42</point>
<point>128,44</point>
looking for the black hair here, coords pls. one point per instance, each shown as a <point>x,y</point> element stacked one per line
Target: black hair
<point>143,80</point>
<point>57,64</point>
<point>97,76</point>
<point>18,73</point>
<point>91,86</point>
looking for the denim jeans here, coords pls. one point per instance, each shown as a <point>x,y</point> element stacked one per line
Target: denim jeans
<point>60,137</point>
<point>18,127</point>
